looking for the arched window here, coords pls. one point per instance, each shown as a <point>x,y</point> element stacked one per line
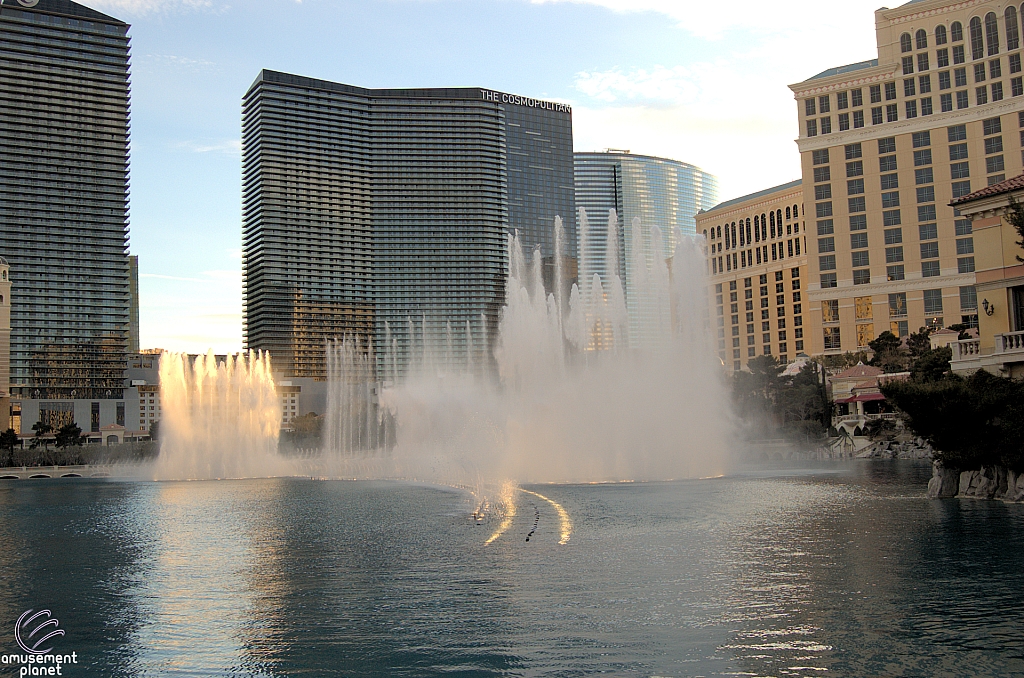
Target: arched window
<point>780,216</point>
<point>905,43</point>
<point>796,213</point>
<point>921,38</point>
<point>706,233</point>
<point>719,232</point>
<point>743,240</point>
<point>940,35</point>
<point>977,42</point>
<point>728,240</point>
<point>1012,34</point>
<point>748,231</point>
<point>992,33</point>
<point>788,213</point>
<point>956,31</point>
<point>734,234</point>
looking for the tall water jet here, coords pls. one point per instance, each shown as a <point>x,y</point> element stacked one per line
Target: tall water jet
<point>639,396</point>
<point>221,418</point>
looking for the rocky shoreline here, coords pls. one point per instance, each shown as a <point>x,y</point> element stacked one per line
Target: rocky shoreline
<point>990,482</point>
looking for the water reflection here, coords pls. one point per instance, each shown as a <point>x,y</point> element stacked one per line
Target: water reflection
<point>844,570</point>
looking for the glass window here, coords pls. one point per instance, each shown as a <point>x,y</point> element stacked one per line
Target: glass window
<point>855,186</point>
<point>923,157</point>
<point>898,305</point>
<point>921,139</point>
<point>960,170</point>
<point>858,222</point>
<point>889,181</point>
<point>927,231</point>
<point>830,311</point>
<point>926,194</point>
<point>858,240</point>
<point>929,250</point>
<point>860,258</point>
<point>930,269</point>
<point>923,176</point>
<point>822,174</point>
<point>828,280</point>
<point>855,169</point>
<point>968,298</point>
<point>963,227</point>
<point>957,151</point>
<point>893,236</point>
<point>825,227</point>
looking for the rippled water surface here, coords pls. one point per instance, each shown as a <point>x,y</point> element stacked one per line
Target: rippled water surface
<point>842,570</point>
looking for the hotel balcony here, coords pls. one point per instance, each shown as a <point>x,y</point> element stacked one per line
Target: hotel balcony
<point>1006,358</point>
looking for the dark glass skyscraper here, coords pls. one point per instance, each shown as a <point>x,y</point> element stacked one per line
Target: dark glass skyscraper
<point>64,100</point>
<point>384,213</point>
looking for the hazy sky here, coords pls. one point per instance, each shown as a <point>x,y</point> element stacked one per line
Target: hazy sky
<point>701,82</point>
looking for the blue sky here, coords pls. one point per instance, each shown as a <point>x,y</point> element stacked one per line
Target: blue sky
<point>699,82</point>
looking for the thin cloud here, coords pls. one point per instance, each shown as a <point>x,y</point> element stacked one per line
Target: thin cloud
<point>228,147</point>
<point>144,7</point>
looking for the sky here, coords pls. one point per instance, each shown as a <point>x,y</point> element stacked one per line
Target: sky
<point>694,81</point>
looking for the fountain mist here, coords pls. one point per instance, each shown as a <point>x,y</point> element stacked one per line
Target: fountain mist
<point>618,386</point>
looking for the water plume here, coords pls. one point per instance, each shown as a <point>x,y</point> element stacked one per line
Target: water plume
<point>624,384</point>
<point>221,417</point>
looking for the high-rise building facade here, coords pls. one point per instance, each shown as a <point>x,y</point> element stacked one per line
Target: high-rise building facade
<point>64,97</point>
<point>757,270</point>
<point>383,214</point>
<point>885,145</point>
<point>661,192</point>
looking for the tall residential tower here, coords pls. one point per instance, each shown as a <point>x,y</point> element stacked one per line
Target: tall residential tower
<point>64,97</point>
<point>383,214</point>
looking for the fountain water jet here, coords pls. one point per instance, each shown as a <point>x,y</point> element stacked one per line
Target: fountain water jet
<point>220,418</point>
<point>626,385</point>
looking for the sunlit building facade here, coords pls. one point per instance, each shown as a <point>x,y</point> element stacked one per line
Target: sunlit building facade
<point>757,268</point>
<point>885,145</point>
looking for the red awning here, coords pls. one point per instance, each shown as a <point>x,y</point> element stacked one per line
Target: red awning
<point>862,398</point>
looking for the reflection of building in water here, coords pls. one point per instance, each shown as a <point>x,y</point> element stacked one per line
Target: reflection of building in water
<point>64,230</point>
<point>757,263</point>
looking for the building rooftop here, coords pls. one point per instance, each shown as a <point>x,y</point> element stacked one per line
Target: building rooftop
<point>849,68</point>
<point>760,194</point>
<point>66,8</point>
<point>1013,184</point>
<point>859,371</point>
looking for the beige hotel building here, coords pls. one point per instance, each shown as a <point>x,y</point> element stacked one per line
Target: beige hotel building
<point>757,266</point>
<point>885,145</point>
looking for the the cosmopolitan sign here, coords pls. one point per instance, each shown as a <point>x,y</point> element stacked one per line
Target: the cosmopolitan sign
<point>516,100</point>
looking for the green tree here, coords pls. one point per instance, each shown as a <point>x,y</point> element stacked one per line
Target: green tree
<point>970,422</point>
<point>756,390</point>
<point>890,354</point>
<point>961,330</point>
<point>919,342</point>
<point>1015,215</point>
<point>931,365</point>
<point>8,441</point>
<point>40,429</point>
<point>843,361</point>
<point>805,409</point>
<point>69,435</point>
<point>154,430</point>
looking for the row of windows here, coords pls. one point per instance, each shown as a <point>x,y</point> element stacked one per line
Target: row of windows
<point>767,337</point>
<point>981,37</point>
<point>758,255</point>
<point>760,229</point>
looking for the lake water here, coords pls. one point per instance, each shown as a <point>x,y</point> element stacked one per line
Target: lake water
<point>840,570</point>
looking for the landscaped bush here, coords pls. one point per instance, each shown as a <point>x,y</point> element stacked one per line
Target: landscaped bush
<point>970,422</point>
